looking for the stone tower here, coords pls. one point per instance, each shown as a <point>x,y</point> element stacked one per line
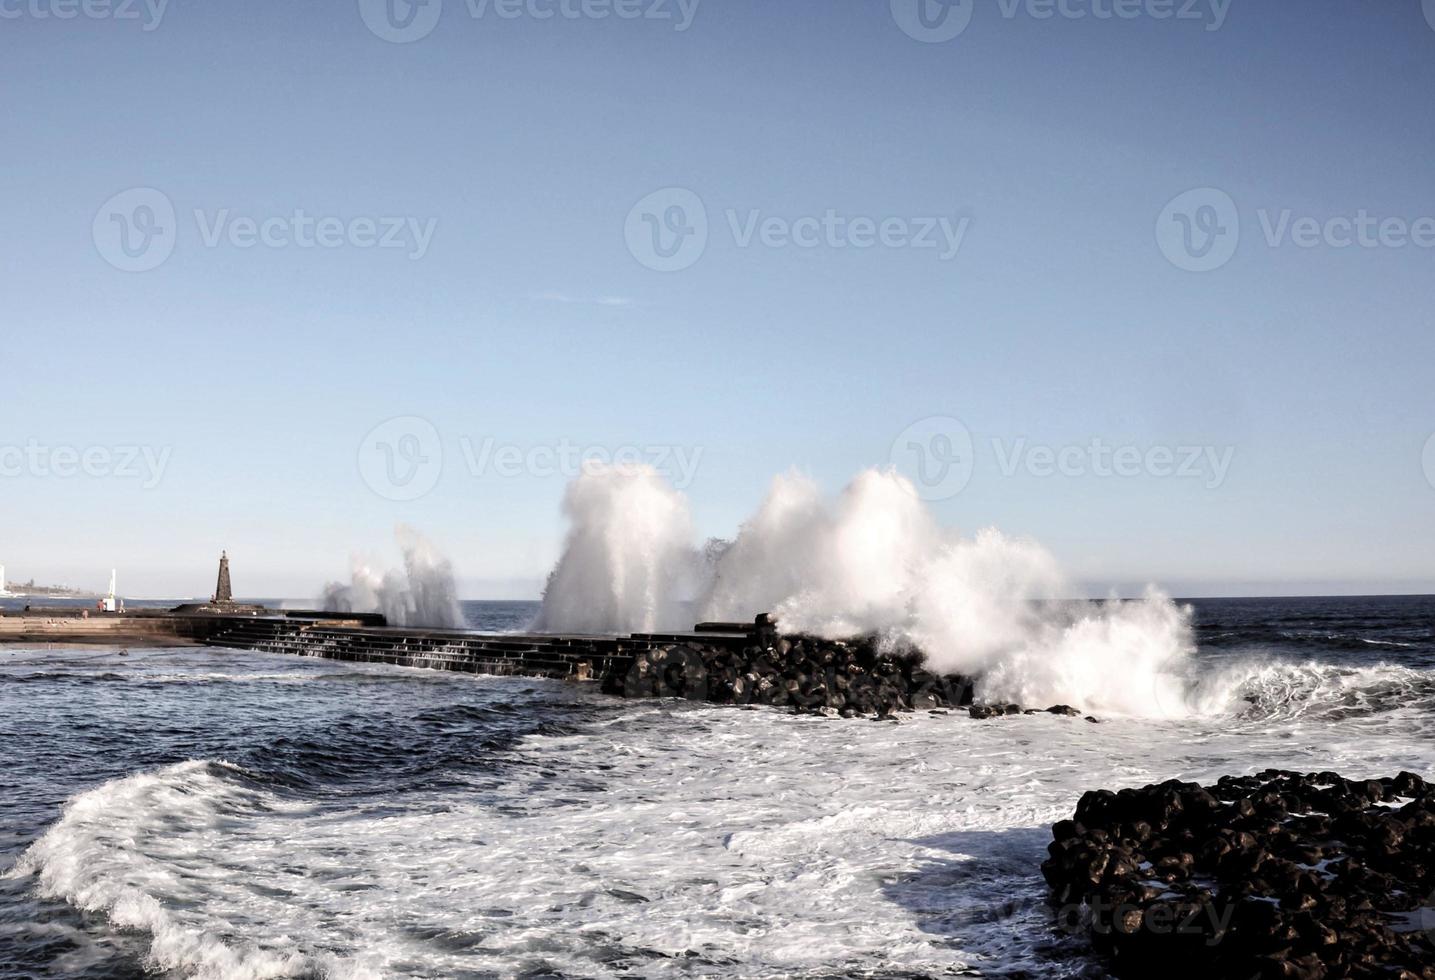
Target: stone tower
<point>223,592</point>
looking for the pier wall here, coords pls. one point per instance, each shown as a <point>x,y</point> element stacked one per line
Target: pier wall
<point>719,663</point>
<point>576,657</point>
<point>723,663</point>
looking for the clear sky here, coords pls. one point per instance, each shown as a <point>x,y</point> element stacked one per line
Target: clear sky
<point>521,165</point>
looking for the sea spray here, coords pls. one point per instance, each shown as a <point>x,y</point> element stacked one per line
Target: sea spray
<point>627,557</point>
<point>872,562</point>
<point>421,594</point>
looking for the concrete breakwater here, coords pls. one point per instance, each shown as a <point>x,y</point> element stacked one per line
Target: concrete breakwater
<point>558,656</point>
<point>724,663</point>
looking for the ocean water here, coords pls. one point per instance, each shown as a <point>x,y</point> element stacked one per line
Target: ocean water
<point>211,813</point>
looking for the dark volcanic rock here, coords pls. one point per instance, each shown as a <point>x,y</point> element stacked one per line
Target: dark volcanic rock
<point>849,678</point>
<point>800,672</point>
<point>1277,875</point>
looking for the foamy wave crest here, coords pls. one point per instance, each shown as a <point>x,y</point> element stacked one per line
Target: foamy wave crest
<point>874,561</point>
<point>1282,690</point>
<point>121,850</point>
<point>422,594</point>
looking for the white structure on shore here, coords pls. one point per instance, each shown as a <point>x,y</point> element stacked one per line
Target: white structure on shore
<point>4,592</point>
<point>111,604</point>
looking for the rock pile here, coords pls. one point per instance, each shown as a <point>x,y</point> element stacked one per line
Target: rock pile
<point>1277,875</point>
<point>841,678</point>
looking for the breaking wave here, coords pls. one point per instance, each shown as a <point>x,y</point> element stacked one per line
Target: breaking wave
<point>116,852</point>
<point>1287,691</point>
<point>872,561</point>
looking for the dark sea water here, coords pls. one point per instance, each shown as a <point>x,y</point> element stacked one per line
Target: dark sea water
<point>195,812</point>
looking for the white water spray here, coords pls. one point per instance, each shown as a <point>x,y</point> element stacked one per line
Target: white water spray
<point>421,594</point>
<point>874,561</point>
<point>628,554</point>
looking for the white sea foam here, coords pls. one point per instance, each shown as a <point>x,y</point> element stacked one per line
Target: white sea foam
<point>140,849</point>
<point>657,841</point>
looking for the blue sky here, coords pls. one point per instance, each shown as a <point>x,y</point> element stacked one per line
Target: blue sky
<point>504,157</point>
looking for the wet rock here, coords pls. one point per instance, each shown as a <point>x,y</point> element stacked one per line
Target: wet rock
<point>847,679</point>
<point>1281,874</point>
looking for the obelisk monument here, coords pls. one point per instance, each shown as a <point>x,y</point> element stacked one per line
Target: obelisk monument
<point>224,592</point>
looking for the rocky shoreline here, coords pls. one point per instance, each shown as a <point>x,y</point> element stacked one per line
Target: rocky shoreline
<point>848,679</point>
<point>1281,874</point>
